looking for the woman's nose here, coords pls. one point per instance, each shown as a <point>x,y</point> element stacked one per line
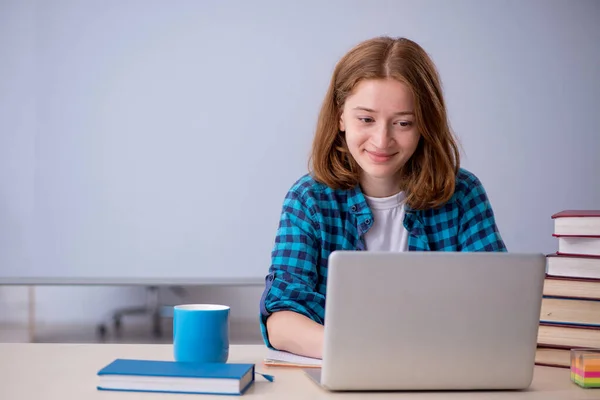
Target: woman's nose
<point>381,136</point>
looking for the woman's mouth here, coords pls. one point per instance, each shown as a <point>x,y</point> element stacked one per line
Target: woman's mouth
<point>379,157</point>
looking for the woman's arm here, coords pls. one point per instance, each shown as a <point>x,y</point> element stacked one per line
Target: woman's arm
<point>478,230</point>
<point>292,309</point>
<point>295,333</point>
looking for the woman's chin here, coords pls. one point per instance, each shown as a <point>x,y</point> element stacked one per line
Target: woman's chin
<point>381,172</point>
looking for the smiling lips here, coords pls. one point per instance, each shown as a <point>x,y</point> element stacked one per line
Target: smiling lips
<point>379,157</point>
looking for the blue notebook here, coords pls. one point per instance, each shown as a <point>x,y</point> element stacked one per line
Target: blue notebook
<point>176,377</point>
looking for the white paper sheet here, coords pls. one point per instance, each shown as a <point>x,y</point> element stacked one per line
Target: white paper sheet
<point>283,356</point>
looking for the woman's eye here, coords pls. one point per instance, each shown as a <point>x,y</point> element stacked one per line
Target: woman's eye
<point>366,120</point>
<point>404,124</point>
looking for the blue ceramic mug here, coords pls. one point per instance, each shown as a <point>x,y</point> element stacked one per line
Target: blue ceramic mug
<point>201,333</point>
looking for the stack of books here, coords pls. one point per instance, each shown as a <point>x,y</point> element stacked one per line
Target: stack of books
<point>570,315</point>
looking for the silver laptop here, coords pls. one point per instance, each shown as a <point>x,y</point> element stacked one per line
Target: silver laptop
<point>431,321</point>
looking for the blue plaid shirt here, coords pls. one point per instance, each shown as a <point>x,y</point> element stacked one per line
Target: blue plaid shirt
<point>316,220</point>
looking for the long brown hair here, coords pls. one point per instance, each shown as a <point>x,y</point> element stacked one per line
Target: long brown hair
<point>428,177</point>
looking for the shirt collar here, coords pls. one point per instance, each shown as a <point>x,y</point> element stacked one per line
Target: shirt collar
<point>357,204</point>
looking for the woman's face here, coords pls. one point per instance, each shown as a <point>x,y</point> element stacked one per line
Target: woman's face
<point>379,121</point>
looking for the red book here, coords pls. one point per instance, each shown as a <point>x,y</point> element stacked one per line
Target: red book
<point>579,246</point>
<point>586,267</point>
<point>572,288</point>
<point>551,357</point>
<point>567,336</point>
<point>577,214</point>
<point>580,223</point>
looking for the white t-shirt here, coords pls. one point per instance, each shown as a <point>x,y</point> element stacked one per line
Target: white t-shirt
<point>388,232</point>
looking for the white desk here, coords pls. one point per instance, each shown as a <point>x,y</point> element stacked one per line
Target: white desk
<point>68,371</point>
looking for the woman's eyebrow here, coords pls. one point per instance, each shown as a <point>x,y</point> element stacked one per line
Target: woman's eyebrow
<point>360,108</point>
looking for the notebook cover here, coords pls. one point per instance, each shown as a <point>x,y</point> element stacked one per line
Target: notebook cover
<point>577,213</point>
<point>176,392</point>
<point>176,369</point>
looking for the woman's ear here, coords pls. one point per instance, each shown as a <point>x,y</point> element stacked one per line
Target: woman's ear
<point>342,125</point>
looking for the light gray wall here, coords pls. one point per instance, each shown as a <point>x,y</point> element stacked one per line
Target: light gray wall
<point>17,135</point>
<point>521,81</point>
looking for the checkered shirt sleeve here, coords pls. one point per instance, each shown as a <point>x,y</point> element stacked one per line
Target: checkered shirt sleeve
<point>293,274</point>
<point>478,230</point>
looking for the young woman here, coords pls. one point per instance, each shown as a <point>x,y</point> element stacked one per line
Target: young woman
<point>385,176</point>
